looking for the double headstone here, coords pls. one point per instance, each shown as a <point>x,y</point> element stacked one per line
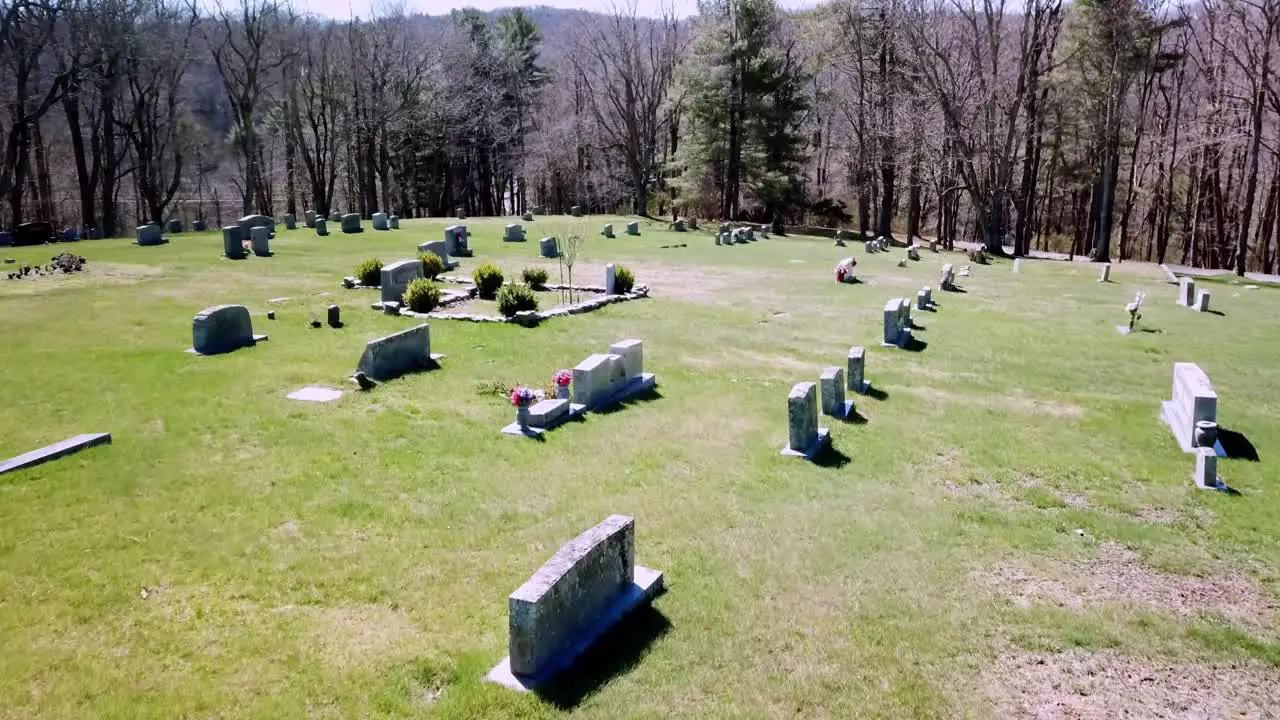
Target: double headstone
<point>804,437</point>
<point>513,233</point>
<point>149,235</point>
<point>394,355</point>
<point>397,276</point>
<point>455,240</point>
<point>833,402</point>
<point>290,221</point>
<point>1193,401</point>
<point>322,227</point>
<point>260,241</point>
<point>1186,292</point>
<point>608,230</point>
<point>233,242</point>
<point>608,378</point>
<point>351,224</point>
<point>221,329</point>
<point>633,228</point>
<point>548,247</point>
<point>251,221</point>
<point>380,221</point>
<point>585,589</point>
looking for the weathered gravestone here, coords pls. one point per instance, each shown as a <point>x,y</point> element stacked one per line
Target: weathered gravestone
<point>335,216</point>
<point>148,235</point>
<point>1194,401</point>
<point>53,452</point>
<point>441,248</point>
<point>290,221</point>
<point>1186,292</point>
<point>397,276</point>
<point>857,368</point>
<point>1202,301</point>
<point>606,379</point>
<point>394,355</point>
<point>513,233</point>
<point>36,232</point>
<point>633,228</point>
<point>260,241</point>
<point>175,225</point>
<point>947,281</point>
<point>922,300</point>
<point>222,329</point>
<point>380,221</point>
<point>394,222</point>
<point>610,278</point>
<point>1104,273</point>
<point>199,225</point>
<point>833,402</point>
<point>252,221</point>
<point>232,242</point>
<point>677,226</point>
<point>585,589</point>
<point>460,213</point>
<point>70,235</point>
<point>804,437</point>
<point>527,217</point>
<point>913,253</point>
<point>310,218</point>
<point>322,227</point>
<point>351,224</point>
<point>576,211</point>
<point>608,230</point>
<point>895,331</point>
<point>548,247</point>
<point>870,247</point>
<point>455,240</point>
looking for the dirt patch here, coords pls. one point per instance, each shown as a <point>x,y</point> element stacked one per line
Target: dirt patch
<point>1116,574</point>
<point>1107,684</point>
<point>359,635</point>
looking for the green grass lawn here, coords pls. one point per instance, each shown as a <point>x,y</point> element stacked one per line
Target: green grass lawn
<point>353,559</point>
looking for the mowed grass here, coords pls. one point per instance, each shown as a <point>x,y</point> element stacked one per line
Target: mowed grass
<point>354,559</point>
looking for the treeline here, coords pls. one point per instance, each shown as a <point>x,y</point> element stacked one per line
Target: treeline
<point>1113,128</point>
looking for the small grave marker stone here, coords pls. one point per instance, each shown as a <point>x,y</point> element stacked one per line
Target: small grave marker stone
<point>397,276</point>
<point>1186,292</point>
<point>1104,273</point>
<point>514,233</point>
<point>351,224</point>
<point>610,275</point>
<point>380,221</point>
<point>1202,301</point>
<point>833,402</point>
<point>633,228</point>
<point>548,247</point>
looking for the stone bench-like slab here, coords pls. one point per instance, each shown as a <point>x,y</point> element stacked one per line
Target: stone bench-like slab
<point>546,415</point>
<point>590,584</point>
<point>55,451</point>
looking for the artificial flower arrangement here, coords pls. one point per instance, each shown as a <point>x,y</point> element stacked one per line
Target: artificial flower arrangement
<point>562,378</point>
<point>522,397</point>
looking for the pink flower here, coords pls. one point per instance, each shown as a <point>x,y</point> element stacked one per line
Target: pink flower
<point>563,378</point>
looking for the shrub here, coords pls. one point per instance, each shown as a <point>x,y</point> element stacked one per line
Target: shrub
<point>488,279</point>
<point>369,272</point>
<point>535,277</point>
<point>515,298</point>
<point>422,295</point>
<point>432,265</point>
<point>623,280</point>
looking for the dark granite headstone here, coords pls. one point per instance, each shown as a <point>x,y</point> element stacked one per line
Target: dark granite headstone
<point>32,233</point>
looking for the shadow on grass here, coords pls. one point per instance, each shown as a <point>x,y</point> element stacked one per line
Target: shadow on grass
<point>612,654</point>
<point>876,393</point>
<point>646,396</point>
<point>955,289</point>
<point>1235,446</point>
<point>830,457</point>
<point>853,418</point>
<point>914,326</point>
<point>1153,331</point>
<point>915,345</point>
<point>1219,313</point>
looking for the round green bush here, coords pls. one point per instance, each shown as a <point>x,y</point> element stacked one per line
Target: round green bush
<point>623,279</point>
<point>369,272</point>
<point>422,295</point>
<point>515,298</point>
<point>535,277</point>
<point>432,265</point>
<point>488,278</point>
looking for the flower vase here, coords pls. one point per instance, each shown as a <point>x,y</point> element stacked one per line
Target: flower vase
<point>522,416</point>
<point>562,392</point>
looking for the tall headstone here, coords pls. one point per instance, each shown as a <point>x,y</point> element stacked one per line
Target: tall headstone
<point>608,230</point>
<point>633,228</point>
<point>455,239</point>
<point>397,276</point>
<point>221,329</point>
<point>1186,292</point>
<point>609,278</point>
<point>856,366</point>
<point>804,437</point>
<point>895,331</point>
<point>260,241</point>
<point>460,213</point>
<point>1193,401</point>
<point>310,218</point>
<point>1202,301</point>
<point>334,316</point>
<point>322,227</point>
<point>1104,273</point>
<point>290,221</point>
<point>380,221</point>
<point>548,247</point>
<point>351,224</point>
<point>233,242</point>
<point>833,402</point>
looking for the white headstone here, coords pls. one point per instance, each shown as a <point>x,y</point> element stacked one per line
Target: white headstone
<point>1186,292</point>
<point>396,277</point>
<point>1104,274</point>
<point>609,275</point>
<point>1193,400</point>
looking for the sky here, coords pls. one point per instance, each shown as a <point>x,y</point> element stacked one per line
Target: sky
<point>343,9</point>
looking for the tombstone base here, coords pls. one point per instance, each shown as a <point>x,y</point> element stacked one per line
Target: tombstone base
<point>824,440</point>
<point>161,241</point>
<point>844,412</point>
<point>903,339</point>
<point>256,339</point>
<point>53,452</point>
<point>864,389</point>
<point>635,387</point>
<point>645,586</point>
<point>529,431</point>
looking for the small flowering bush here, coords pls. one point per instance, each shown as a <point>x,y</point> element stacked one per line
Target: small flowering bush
<point>522,396</point>
<point>562,378</point>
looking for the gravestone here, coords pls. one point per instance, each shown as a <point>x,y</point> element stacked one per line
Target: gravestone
<point>460,213</point>
<point>606,379</point>
<point>36,232</point>
<point>947,281</point>
<point>441,248</point>
<point>1193,401</point>
<point>394,222</point>
<point>856,367</point>
<point>576,211</point>
<point>724,228</point>
<point>804,437</point>
<point>913,253</point>
<point>232,242</point>
<point>290,221</point>
<point>749,232</point>
<point>870,247</point>
<point>396,277</point>
<point>1017,264</point>
<point>351,224</point>
<point>718,237</point>
<point>335,216</point>
<point>527,217</point>
<point>1206,477</point>
<point>70,235</point>
<point>1202,301</point>
<point>175,225</point>
<point>455,240</point>
<point>57,450</point>
<point>922,300</point>
<point>1186,292</point>
<point>608,230</point>
<point>895,331</point>
<point>260,241</point>
<point>334,316</point>
<point>390,357</point>
<point>678,226</point>
<point>95,233</point>
<point>251,221</point>
<point>548,247</point>
<point>609,278</point>
<point>199,226</point>
<point>310,218</point>
<point>633,228</point>
<point>513,233</point>
<point>1104,273</point>
<point>6,240</point>
<point>586,588</point>
<point>380,221</point>
<point>222,329</point>
<point>833,402</point>
<point>149,235</point>
<point>928,296</point>
<point>322,227</point>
